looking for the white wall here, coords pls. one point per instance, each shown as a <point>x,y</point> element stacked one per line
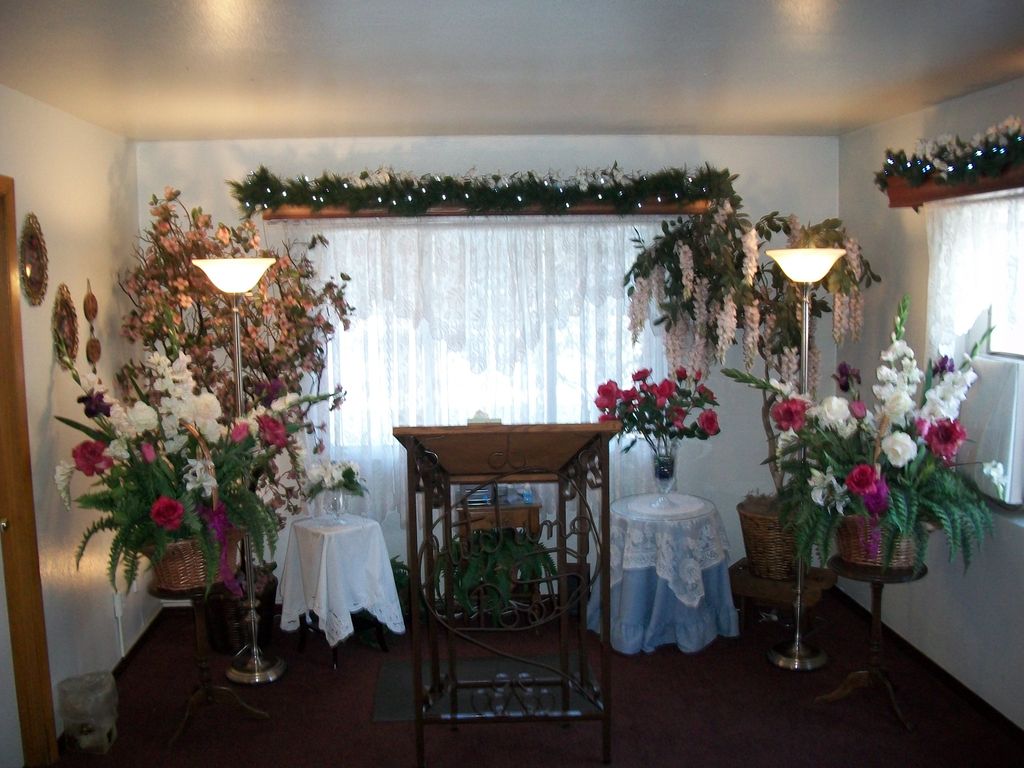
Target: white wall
<point>796,175</point>
<point>970,624</point>
<point>80,181</point>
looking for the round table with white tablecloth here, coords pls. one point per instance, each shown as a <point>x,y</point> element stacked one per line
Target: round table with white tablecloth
<point>669,575</point>
<point>336,565</point>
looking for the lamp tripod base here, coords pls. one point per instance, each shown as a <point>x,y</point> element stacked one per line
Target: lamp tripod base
<point>252,667</point>
<point>797,656</point>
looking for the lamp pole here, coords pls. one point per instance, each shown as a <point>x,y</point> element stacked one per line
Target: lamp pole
<point>803,266</point>
<point>234,277</point>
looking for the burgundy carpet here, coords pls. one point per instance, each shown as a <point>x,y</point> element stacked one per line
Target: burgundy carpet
<point>724,706</point>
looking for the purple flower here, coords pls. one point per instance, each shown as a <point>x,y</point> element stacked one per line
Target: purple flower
<point>94,404</point>
<point>943,365</point>
<point>845,375</point>
<point>269,391</point>
<point>877,499</point>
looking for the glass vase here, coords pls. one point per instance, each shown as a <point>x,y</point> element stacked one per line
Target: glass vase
<point>664,473</point>
<point>331,503</point>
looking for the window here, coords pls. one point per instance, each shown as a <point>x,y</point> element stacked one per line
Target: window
<point>518,317</point>
<point>976,279</point>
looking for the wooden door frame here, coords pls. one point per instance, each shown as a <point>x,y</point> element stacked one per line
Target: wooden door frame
<point>20,549</point>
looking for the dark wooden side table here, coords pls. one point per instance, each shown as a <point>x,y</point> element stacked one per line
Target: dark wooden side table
<point>205,692</point>
<point>875,673</point>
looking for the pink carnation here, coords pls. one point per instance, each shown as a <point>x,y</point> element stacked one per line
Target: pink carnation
<point>789,413</point>
<point>91,458</point>
<point>944,439</point>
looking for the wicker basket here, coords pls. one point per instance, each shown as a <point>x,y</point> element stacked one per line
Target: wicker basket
<point>770,549</point>
<point>852,538</point>
<point>183,568</point>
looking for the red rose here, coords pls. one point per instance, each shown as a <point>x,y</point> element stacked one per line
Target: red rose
<point>607,395</point>
<point>705,392</point>
<point>789,413</point>
<point>272,431</point>
<point>91,458</point>
<point>628,395</point>
<point>708,421</point>
<point>681,373</point>
<point>944,438</point>
<point>666,389</point>
<point>862,479</point>
<point>679,417</point>
<point>167,513</point>
<point>642,374</point>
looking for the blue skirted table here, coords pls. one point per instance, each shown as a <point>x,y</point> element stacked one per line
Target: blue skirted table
<point>669,575</point>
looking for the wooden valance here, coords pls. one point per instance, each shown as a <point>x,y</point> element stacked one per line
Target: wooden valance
<point>653,207</point>
<point>902,195</point>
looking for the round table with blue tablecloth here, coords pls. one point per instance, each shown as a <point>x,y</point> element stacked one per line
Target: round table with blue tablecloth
<point>669,575</point>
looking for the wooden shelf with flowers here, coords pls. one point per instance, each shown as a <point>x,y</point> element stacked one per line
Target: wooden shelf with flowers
<point>950,167</point>
<point>385,193</point>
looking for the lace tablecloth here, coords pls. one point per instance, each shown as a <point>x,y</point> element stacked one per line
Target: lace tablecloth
<point>334,567</point>
<point>669,574</point>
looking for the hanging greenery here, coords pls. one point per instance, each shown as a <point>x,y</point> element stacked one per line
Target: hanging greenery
<point>405,194</point>
<point>951,160</point>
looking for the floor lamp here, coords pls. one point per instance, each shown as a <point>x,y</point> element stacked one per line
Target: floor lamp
<point>235,277</point>
<point>803,266</point>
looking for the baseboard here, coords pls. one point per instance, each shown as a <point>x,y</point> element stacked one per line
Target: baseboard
<point>153,623</point>
<point>987,710</point>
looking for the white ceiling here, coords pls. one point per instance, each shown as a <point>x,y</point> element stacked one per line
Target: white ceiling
<point>203,69</point>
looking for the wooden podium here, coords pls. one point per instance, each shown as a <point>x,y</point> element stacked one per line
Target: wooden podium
<point>445,466</point>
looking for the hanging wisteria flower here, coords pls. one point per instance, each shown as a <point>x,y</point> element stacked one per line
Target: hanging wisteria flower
<point>165,467</point>
<point>893,465</point>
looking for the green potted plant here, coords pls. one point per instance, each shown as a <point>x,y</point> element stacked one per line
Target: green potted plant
<point>492,571</point>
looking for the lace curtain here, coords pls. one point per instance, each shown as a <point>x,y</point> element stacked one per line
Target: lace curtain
<point>518,317</point>
<point>975,246</point>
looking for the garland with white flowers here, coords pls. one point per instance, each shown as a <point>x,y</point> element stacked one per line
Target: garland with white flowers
<point>405,194</point>
<point>951,160</point>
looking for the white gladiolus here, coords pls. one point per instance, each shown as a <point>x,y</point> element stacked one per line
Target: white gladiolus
<point>898,406</point>
<point>899,448</point>
<point>62,476</point>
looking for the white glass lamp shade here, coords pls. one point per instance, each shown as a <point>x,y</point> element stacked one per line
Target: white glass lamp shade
<point>805,265</point>
<point>234,275</point>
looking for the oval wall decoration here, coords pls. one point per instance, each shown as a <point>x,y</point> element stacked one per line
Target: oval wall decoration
<point>32,260</point>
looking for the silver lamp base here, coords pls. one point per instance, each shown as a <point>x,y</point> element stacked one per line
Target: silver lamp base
<point>797,657</point>
<point>252,669</point>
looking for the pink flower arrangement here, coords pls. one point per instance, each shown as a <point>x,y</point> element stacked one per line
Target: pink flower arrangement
<point>170,466</point>
<point>660,412</point>
<point>286,321</point>
<point>893,464</point>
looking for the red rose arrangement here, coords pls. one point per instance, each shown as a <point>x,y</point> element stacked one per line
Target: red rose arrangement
<point>660,413</point>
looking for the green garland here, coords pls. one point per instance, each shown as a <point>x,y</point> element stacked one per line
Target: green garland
<point>951,160</point>
<point>404,194</point>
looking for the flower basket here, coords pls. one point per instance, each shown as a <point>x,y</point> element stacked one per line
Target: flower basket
<point>852,539</point>
<point>183,567</point>
<point>770,548</point>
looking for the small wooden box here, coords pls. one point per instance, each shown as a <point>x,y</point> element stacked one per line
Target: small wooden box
<point>511,516</point>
